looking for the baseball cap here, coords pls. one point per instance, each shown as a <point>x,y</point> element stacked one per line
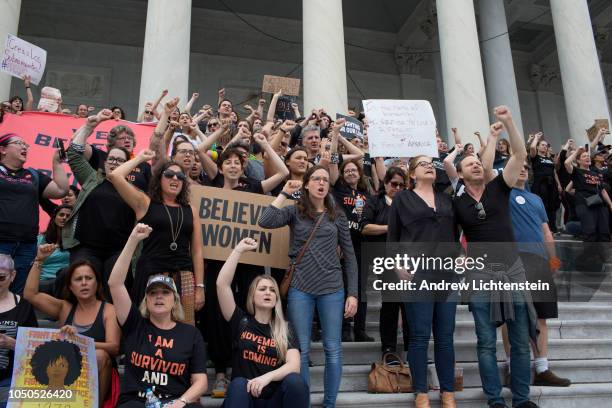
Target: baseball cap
<point>161,280</point>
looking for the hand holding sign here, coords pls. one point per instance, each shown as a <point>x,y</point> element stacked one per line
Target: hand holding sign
<point>23,58</point>
<point>68,330</point>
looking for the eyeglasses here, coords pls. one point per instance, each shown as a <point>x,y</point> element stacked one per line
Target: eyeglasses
<point>186,152</point>
<point>3,278</point>
<point>482,214</point>
<point>396,184</point>
<point>169,174</point>
<point>115,160</point>
<point>318,179</point>
<point>149,112</point>
<point>124,138</point>
<point>349,171</point>
<point>425,164</point>
<point>20,143</point>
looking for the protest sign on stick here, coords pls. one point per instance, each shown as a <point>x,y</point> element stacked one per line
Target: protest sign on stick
<point>273,84</point>
<point>22,58</point>
<point>352,127</point>
<point>52,368</point>
<point>228,216</point>
<point>400,128</point>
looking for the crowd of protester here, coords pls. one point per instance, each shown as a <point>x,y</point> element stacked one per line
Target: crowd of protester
<point>121,258</point>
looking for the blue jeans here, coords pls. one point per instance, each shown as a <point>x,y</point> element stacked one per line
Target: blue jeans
<point>520,363</point>
<point>23,255</point>
<point>423,317</point>
<point>292,392</point>
<point>300,306</point>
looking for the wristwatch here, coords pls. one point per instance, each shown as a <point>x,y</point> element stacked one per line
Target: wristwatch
<point>287,195</point>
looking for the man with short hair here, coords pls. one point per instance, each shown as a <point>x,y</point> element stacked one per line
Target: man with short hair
<point>482,210</point>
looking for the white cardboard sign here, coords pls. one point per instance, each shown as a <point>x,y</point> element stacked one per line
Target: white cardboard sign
<point>400,128</point>
<point>22,58</point>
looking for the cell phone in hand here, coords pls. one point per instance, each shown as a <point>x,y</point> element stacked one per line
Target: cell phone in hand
<point>59,145</point>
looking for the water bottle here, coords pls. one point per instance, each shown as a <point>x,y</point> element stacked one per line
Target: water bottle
<point>152,400</point>
<point>359,204</point>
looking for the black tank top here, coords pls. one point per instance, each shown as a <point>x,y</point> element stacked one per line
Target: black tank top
<point>97,330</point>
<point>157,256</point>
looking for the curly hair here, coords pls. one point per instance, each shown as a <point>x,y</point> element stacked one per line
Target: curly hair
<point>155,189</point>
<point>362,184</point>
<point>111,138</point>
<point>51,351</point>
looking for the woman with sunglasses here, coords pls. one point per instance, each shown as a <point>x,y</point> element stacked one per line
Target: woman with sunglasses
<point>374,227</point>
<point>423,215</point>
<point>175,246</point>
<point>100,221</point>
<point>545,179</point>
<point>318,277</point>
<point>22,190</point>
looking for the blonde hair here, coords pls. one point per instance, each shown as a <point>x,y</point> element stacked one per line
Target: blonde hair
<point>177,314</point>
<point>278,324</point>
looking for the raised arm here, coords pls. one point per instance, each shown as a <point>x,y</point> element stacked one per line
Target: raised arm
<point>189,105</point>
<point>58,187</point>
<point>278,167</point>
<point>157,102</point>
<point>517,144</point>
<point>272,108</point>
<point>488,155</point>
<point>221,97</point>
<point>41,301</point>
<point>569,162</point>
<point>136,199</point>
<point>533,147</point>
<point>296,109</point>
<point>116,280</point>
<point>29,105</point>
<point>449,163</point>
<point>80,136</point>
<point>482,144</point>
<point>601,134</point>
<point>354,153</point>
<point>275,215</point>
<point>226,276</point>
<point>381,169</point>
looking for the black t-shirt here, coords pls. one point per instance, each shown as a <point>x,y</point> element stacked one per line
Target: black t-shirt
<point>139,177</point>
<point>20,192</point>
<point>586,183</point>
<point>254,350</point>
<point>162,360</point>
<point>442,180</point>
<point>245,184</point>
<point>496,225</point>
<point>543,167</point>
<point>104,221</point>
<point>500,161</point>
<point>376,211</point>
<point>21,315</point>
<point>345,197</point>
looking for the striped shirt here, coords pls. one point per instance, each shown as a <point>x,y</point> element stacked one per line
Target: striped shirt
<point>320,270</point>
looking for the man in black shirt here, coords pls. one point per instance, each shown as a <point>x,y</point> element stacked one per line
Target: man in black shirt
<point>482,210</point>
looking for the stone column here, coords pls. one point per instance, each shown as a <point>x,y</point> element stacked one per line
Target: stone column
<point>9,21</point>
<point>583,85</point>
<point>324,61</point>
<point>165,57</point>
<point>497,59</point>
<point>542,80</point>
<point>464,90</point>
<point>409,64</point>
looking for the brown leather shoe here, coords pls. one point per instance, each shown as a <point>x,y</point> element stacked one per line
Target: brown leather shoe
<point>550,379</point>
<point>447,400</point>
<point>421,400</point>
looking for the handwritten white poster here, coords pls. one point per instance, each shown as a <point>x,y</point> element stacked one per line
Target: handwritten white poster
<point>22,58</point>
<point>400,128</point>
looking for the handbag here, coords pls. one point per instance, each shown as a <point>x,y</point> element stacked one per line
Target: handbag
<point>594,200</point>
<point>385,378</point>
<point>286,282</point>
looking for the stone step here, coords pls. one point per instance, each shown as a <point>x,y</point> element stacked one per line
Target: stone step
<point>355,377</point>
<point>557,329</point>
<point>576,396</point>
<point>465,350</point>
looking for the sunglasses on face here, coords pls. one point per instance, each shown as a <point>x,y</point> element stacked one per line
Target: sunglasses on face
<point>482,214</point>
<point>3,278</point>
<point>149,112</point>
<point>213,124</point>
<point>170,174</point>
<point>115,160</point>
<point>396,184</point>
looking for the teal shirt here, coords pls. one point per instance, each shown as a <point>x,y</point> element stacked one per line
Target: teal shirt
<point>54,263</point>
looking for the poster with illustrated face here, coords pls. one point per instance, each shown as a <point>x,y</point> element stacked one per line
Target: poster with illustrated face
<point>53,370</point>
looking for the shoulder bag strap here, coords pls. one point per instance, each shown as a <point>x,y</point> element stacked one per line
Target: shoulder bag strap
<point>312,233</point>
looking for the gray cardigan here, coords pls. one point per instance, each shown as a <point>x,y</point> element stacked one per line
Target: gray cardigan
<point>320,270</point>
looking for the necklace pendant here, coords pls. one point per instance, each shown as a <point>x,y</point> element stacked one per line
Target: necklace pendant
<point>173,246</point>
